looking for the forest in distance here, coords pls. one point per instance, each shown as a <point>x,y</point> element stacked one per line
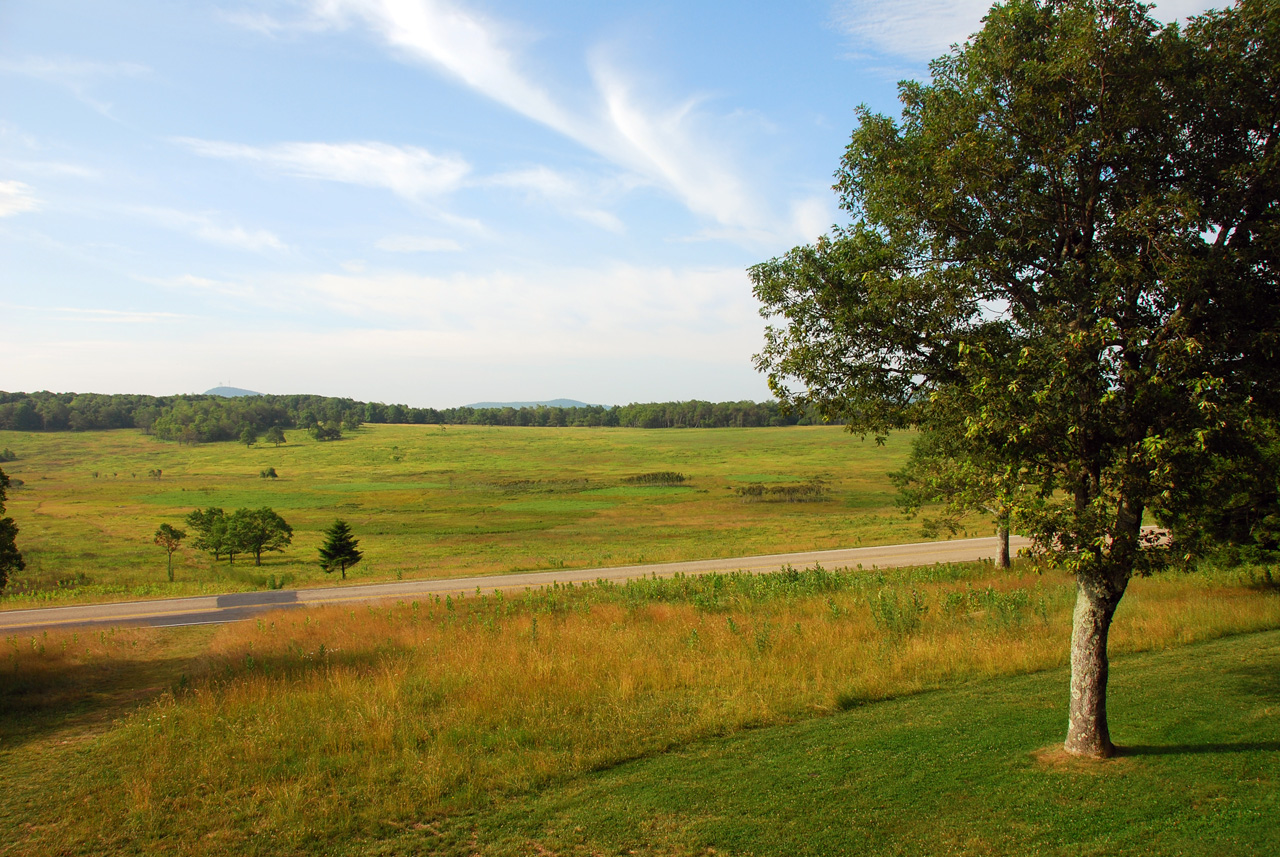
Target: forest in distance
<point>204,418</point>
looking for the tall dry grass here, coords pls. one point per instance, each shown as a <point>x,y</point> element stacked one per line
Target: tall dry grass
<point>329,723</point>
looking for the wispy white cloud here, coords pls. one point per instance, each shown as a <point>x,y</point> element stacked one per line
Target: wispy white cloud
<point>612,311</point>
<point>409,171</point>
<point>913,29</point>
<point>15,198</point>
<point>237,236</point>
<point>920,30</point>
<point>670,145</point>
<point>417,244</point>
<point>809,217</point>
<point>80,77</point>
<point>267,24</point>
<point>207,227</point>
<point>54,168</point>
<point>1178,10</point>
<point>564,193</point>
<point>189,283</point>
<point>664,144</point>
<point>111,316</point>
<point>463,43</point>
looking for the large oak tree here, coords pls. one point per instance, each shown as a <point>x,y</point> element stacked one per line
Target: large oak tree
<point>1061,268</point>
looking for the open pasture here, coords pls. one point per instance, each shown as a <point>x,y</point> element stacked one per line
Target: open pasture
<point>427,501</point>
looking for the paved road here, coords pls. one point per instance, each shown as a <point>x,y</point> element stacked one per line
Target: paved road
<point>211,609</point>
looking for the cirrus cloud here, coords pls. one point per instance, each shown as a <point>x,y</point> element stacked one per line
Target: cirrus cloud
<point>673,146</point>
<point>923,29</point>
<point>408,171</point>
<point>417,244</point>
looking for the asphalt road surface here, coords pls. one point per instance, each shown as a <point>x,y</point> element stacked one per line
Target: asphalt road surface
<point>211,609</point>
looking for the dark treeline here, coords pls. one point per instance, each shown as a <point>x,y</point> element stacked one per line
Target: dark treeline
<point>204,418</point>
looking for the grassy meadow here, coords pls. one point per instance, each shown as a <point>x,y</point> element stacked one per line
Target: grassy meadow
<point>427,501</point>
<point>814,711</point>
<point>660,716</point>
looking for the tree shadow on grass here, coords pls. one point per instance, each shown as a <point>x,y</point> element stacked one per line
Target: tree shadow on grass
<point>1261,680</point>
<point>82,698</point>
<point>1197,749</point>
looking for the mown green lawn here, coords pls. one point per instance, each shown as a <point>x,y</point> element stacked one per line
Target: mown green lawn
<point>974,770</point>
<point>427,501</point>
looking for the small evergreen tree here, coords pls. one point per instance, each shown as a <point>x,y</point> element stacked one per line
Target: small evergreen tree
<point>339,549</point>
<point>169,538</point>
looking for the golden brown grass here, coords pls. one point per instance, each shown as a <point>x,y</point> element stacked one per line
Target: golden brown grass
<point>352,723</point>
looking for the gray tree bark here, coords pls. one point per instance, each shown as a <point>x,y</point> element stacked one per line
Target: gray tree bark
<point>1002,559</point>
<point>1087,733</point>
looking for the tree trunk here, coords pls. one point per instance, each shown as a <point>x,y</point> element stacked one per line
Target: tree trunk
<point>1002,559</point>
<point>1087,733</point>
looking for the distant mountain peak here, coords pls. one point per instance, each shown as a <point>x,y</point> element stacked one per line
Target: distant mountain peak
<point>230,392</point>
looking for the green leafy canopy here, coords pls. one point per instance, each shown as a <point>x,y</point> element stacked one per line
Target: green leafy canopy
<point>1061,263</point>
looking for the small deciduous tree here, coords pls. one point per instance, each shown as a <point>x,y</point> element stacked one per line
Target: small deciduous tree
<point>169,538</point>
<point>248,436</point>
<point>10,557</point>
<point>327,431</point>
<point>339,549</point>
<point>275,436</point>
<point>210,526</point>
<point>258,531</point>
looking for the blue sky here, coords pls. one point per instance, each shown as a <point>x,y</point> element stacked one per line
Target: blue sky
<point>419,201</point>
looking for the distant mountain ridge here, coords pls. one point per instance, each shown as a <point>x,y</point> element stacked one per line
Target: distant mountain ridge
<point>548,403</point>
<point>230,392</point>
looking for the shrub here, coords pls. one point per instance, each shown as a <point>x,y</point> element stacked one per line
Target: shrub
<point>661,477</point>
<point>806,492</point>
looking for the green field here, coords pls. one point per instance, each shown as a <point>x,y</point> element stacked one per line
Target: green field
<point>427,501</point>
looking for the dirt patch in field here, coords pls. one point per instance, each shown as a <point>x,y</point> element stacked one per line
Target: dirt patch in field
<point>1055,758</point>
